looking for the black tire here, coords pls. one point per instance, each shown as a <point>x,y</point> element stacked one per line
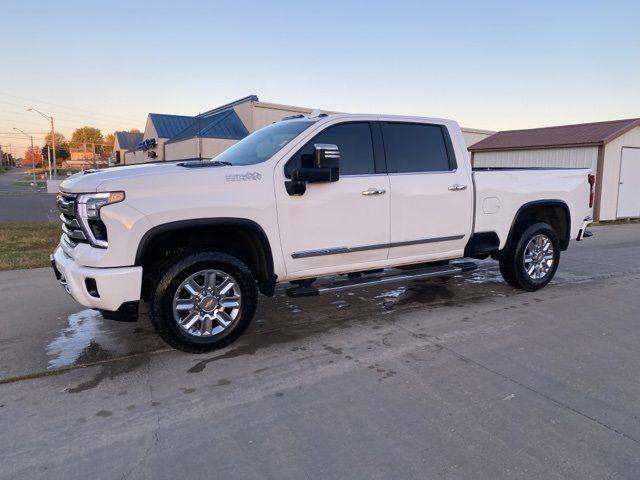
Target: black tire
<point>177,272</point>
<point>512,261</point>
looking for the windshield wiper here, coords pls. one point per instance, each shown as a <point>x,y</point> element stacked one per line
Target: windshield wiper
<point>216,162</point>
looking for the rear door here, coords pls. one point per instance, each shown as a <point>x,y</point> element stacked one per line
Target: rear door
<point>431,198</point>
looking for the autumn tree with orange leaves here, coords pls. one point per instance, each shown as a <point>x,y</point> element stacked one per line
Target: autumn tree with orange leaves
<point>32,157</point>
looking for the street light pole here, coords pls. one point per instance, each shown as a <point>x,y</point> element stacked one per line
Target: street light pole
<point>53,144</point>
<point>53,140</point>
<point>33,156</point>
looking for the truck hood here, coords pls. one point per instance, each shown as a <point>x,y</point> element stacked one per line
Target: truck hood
<point>91,180</point>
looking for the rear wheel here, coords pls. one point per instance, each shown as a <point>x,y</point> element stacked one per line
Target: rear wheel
<point>531,259</point>
<point>203,301</point>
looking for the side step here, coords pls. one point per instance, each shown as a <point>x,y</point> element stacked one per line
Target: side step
<point>420,273</point>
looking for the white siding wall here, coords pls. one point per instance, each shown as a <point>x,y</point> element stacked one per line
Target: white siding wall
<point>189,148</point>
<point>149,130</point>
<point>140,156</point>
<point>181,150</point>
<point>573,157</point>
<point>611,173</point>
<point>267,113</point>
<point>245,112</point>
<point>472,136</point>
<point>213,146</point>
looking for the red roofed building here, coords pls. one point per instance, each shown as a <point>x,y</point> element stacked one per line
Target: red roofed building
<point>611,149</point>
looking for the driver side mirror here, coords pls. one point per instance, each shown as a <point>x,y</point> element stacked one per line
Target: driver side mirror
<point>326,168</point>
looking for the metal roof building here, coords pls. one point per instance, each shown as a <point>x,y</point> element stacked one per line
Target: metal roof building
<point>611,149</point>
<point>125,141</point>
<point>167,126</point>
<point>180,137</point>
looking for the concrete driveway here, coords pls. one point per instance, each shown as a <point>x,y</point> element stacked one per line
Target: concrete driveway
<point>465,379</point>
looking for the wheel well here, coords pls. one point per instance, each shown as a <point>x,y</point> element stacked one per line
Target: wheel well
<point>243,239</point>
<point>553,212</point>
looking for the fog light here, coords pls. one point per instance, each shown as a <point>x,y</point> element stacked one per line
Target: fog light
<point>92,287</point>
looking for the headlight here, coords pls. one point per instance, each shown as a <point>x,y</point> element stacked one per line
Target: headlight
<point>88,207</point>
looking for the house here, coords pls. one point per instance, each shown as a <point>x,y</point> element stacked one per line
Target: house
<point>159,129</point>
<point>123,142</point>
<point>610,149</point>
<point>180,137</point>
<point>203,136</point>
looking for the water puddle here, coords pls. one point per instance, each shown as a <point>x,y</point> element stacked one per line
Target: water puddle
<point>484,275</point>
<point>396,293</point>
<point>89,338</point>
<point>78,340</point>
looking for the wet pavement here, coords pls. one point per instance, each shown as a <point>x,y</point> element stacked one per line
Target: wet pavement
<point>462,378</point>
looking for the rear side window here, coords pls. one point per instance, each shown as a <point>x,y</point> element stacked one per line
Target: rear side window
<point>415,147</point>
<point>354,142</point>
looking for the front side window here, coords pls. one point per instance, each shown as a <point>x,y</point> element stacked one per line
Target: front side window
<point>262,144</point>
<point>416,147</point>
<point>354,142</point>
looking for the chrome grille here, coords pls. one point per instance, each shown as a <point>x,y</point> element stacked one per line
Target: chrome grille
<point>73,233</point>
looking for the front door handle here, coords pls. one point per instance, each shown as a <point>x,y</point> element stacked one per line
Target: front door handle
<point>374,191</point>
<point>456,187</point>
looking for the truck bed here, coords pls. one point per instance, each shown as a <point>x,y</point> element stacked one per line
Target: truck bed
<point>502,192</point>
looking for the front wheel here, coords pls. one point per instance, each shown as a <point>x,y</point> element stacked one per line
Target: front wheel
<point>530,260</point>
<point>203,301</point>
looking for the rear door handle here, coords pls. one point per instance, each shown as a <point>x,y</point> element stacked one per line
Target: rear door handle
<point>374,191</point>
<point>456,187</point>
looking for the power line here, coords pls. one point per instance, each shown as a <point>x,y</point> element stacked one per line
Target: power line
<point>74,120</point>
<point>30,133</point>
<point>115,117</point>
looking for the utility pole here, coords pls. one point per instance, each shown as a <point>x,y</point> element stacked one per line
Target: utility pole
<point>33,162</point>
<point>49,159</point>
<point>53,139</point>
<point>33,155</point>
<point>53,143</point>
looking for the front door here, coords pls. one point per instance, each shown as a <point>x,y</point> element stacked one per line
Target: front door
<point>338,226</point>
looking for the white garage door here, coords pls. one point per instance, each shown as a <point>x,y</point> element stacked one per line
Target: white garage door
<point>629,191</point>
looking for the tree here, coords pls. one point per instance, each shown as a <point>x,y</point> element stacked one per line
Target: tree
<point>88,135</point>
<point>7,158</point>
<point>109,141</point>
<point>60,140</point>
<point>134,130</point>
<point>62,152</point>
<point>33,157</point>
<point>62,146</point>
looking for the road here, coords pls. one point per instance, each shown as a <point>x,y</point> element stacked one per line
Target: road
<point>21,203</point>
<point>464,379</point>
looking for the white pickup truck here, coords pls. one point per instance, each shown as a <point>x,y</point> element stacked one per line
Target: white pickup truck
<point>375,198</point>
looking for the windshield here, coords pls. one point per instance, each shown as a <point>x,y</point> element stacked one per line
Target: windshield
<point>262,144</point>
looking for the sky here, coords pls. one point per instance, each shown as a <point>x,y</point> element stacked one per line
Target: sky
<point>494,65</point>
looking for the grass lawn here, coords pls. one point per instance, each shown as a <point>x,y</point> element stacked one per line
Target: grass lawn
<point>27,245</point>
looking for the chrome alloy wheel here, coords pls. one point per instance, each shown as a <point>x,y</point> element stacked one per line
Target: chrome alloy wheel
<point>207,303</point>
<point>538,257</point>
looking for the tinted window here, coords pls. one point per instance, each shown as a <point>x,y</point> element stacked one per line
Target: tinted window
<point>413,147</point>
<point>354,142</point>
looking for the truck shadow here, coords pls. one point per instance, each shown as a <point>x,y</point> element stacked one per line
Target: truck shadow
<point>89,339</point>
